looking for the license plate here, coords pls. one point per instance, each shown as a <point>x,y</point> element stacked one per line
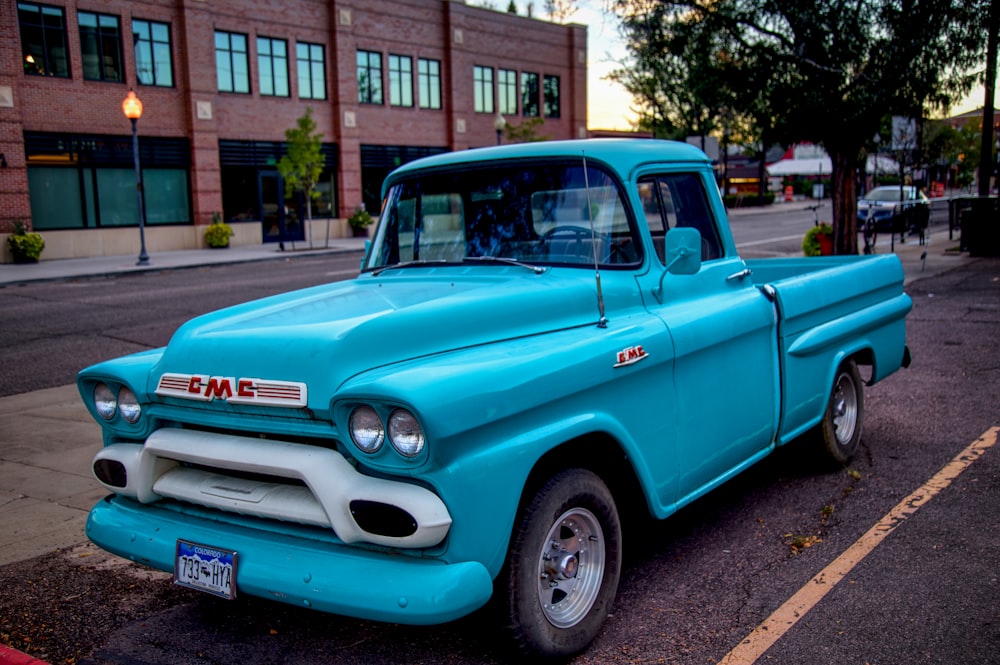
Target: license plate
<point>205,568</point>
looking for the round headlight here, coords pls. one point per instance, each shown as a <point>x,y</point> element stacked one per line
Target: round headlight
<point>405,433</point>
<point>104,401</point>
<point>366,429</point>
<point>128,405</point>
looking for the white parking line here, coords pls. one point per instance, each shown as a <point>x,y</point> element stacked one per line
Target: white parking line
<point>796,607</point>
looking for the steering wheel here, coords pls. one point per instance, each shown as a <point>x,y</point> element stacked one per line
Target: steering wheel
<point>577,233</point>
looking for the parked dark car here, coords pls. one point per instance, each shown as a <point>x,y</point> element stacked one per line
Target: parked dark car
<point>895,209</point>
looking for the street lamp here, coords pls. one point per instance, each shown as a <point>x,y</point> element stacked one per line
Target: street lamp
<point>132,108</point>
<point>498,124</point>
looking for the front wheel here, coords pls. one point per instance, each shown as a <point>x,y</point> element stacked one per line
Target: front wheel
<point>564,565</point>
<point>840,429</point>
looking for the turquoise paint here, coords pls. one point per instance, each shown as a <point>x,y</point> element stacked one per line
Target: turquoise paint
<point>502,365</point>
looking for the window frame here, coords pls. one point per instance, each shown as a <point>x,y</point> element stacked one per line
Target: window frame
<point>231,56</point>
<point>45,33</point>
<point>530,108</point>
<point>400,80</point>
<point>155,62</point>
<point>551,101</point>
<point>429,83</point>
<point>372,93</point>
<point>101,40</point>
<point>314,57</point>
<point>273,64</point>
<point>507,91</point>
<point>483,98</point>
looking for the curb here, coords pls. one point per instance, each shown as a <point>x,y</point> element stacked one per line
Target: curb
<point>10,656</point>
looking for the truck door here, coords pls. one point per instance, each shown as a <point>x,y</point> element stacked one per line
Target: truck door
<point>723,329</point>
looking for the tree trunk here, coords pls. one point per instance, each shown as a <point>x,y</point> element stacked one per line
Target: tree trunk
<point>844,165</point>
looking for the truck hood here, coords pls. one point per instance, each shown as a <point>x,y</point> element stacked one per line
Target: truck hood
<point>324,335</point>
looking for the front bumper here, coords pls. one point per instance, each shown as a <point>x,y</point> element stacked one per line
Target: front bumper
<point>323,576</point>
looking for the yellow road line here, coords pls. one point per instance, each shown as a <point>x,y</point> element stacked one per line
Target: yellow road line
<point>796,607</point>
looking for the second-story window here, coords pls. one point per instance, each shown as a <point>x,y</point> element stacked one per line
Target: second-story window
<point>482,93</point>
<point>507,91</point>
<point>232,62</point>
<point>153,62</point>
<point>100,47</point>
<point>311,64</point>
<point>369,77</point>
<point>529,94</point>
<point>551,90</point>
<point>272,66</point>
<point>43,40</point>
<point>400,80</point>
<point>429,82</point>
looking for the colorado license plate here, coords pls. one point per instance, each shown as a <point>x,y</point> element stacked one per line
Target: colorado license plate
<point>205,568</point>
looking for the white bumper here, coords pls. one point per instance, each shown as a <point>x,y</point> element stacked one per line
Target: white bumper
<point>154,471</point>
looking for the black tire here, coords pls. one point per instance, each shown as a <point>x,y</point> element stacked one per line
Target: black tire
<point>840,429</point>
<point>564,565</point>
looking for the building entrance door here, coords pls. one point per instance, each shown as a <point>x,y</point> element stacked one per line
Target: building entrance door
<point>279,217</point>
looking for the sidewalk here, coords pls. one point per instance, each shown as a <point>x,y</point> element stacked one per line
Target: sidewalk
<point>100,266</point>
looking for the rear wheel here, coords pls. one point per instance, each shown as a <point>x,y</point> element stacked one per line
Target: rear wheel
<point>565,561</point>
<point>840,429</point>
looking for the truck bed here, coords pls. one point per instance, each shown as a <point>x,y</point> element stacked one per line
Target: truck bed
<point>830,308</point>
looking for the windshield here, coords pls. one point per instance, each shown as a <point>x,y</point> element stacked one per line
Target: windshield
<point>536,213</point>
<point>885,194</point>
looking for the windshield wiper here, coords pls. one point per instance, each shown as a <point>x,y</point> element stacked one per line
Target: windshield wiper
<point>410,264</point>
<point>503,259</point>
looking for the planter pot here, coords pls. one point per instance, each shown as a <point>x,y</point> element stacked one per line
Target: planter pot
<point>22,258</point>
<point>359,231</point>
<point>825,244</point>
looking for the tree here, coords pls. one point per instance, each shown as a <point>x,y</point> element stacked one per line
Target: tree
<point>526,132</point>
<point>824,71</point>
<point>303,163</point>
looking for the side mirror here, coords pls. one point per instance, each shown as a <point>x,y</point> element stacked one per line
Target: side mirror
<point>682,250</point>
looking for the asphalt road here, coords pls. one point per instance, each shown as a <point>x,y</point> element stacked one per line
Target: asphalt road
<point>694,588</point>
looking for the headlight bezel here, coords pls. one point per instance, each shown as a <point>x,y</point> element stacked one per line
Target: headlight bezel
<point>115,403</point>
<point>407,444</point>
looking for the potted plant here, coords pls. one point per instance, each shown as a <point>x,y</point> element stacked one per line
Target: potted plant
<point>359,222</point>
<point>25,246</point>
<point>218,232</point>
<point>818,241</point>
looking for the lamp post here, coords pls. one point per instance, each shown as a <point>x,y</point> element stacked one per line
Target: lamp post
<point>132,108</point>
<point>498,124</point>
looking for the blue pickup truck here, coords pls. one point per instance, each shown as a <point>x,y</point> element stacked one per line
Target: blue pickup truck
<point>543,339</point>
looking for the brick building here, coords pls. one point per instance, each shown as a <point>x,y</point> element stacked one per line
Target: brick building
<point>222,80</point>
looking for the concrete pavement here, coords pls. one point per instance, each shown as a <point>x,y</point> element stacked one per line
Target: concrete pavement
<point>47,439</point>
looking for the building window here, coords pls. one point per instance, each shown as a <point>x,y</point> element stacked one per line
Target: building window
<point>551,96</point>
<point>79,181</point>
<point>369,77</point>
<point>43,40</point>
<point>153,63</point>
<point>231,62</point>
<point>100,47</point>
<point>529,94</point>
<point>507,91</point>
<point>272,66</point>
<point>429,80</point>
<point>400,80</point>
<point>311,63</point>
<point>482,81</point>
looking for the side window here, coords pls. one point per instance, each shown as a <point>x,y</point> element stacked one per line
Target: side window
<point>673,200</point>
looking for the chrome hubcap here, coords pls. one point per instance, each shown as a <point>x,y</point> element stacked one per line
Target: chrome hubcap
<point>571,568</point>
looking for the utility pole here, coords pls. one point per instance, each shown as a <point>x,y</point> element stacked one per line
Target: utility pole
<point>986,162</point>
